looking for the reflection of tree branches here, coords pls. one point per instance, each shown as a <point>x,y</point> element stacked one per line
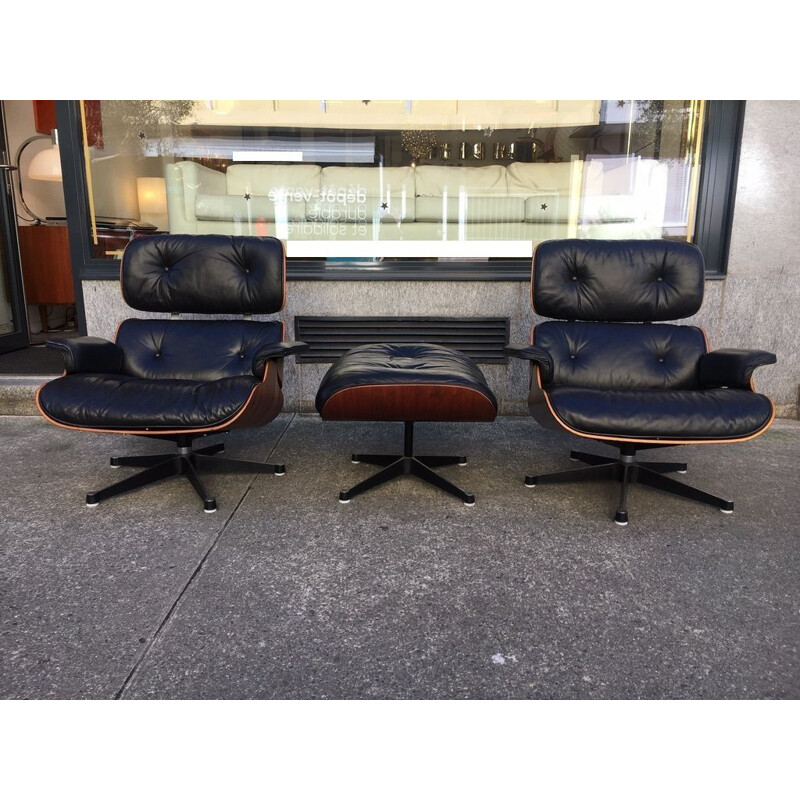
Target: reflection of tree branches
<point>136,123</point>
<point>652,117</point>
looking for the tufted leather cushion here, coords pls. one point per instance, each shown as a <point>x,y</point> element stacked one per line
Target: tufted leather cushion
<point>408,365</point>
<point>208,274</point>
<point>624,356</point>
<point>617,281</point>
<point>120,402</point>
<point>661,414</point>
<point>200,350</point>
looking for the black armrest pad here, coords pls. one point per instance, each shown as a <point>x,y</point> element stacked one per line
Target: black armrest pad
<point>88,354</point>
<point>275,350</point>
<point>732,368</point>
<point>540,357</point>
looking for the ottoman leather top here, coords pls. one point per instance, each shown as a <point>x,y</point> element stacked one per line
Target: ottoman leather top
<point>405,382</point>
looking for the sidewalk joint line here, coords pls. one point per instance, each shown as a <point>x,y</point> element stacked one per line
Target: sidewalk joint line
<point>197,569</point>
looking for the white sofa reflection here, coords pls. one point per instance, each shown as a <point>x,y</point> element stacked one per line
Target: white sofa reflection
<point>523,202</point>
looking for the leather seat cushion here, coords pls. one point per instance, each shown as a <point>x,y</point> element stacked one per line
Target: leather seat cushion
<point>121,402</point>
<point>405,381</point>
<point>661,414</point>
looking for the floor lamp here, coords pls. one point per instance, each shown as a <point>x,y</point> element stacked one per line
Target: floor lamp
<point>45,166</point>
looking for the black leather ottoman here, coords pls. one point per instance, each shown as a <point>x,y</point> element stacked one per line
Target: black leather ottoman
<point>406,383</point>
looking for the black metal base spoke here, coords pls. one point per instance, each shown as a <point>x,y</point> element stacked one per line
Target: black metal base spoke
<point>378,460</point>
<point>186,462</point>
<point>167,468</point>
<point>211,450</point>
<point>442,461</point>
<point>598,472</point>
<point>205,463</point>
<point>394,470</point>
<point>627,470</point>
<point>590,458</point>
<point>663,467</point>
<point>658,481</point>
<point>424,472</point>
<point>139,461</point>
<point>407,464</point>
<point>187,468</point>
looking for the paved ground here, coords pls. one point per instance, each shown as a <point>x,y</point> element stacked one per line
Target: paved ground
<point>405,592</point>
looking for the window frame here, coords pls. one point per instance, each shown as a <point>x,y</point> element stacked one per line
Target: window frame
<point>722,137</point>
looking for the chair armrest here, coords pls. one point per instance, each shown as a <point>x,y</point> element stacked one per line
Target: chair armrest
<point>88,354</point>
<point>539,357</point>
<point>275,350</point>
<point>732,368</point>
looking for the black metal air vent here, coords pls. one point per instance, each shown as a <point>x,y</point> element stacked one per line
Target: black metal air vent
<point>480,338</point>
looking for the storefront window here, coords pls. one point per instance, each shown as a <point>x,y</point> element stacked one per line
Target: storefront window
<point>397,179</point>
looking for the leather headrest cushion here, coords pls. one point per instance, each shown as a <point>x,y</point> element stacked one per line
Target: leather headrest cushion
<point>209,274</point>
<point>634,280</point>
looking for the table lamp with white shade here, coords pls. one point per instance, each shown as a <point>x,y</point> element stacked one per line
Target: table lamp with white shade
<point>152,194</point>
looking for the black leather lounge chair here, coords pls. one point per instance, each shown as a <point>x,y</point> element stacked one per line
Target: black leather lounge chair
<point>181,379</point>
<point>608,370</point>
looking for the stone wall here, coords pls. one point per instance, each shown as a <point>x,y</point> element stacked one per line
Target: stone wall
<point>759,301</point>
<point>755,306</point>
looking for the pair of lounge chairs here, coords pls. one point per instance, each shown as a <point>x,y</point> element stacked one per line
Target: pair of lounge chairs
<point>605,366</point>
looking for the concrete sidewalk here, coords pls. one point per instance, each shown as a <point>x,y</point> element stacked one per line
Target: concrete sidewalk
<point>404,592</point>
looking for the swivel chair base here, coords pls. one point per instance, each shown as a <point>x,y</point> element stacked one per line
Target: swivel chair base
<point>626,469</point>
<point>408,464</point>
<point>186,462</point>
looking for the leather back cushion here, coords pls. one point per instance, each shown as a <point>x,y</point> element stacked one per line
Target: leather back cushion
<point>622,356</point>
<point>202,350</point>
<point>617,281</point>
<point>208,274</point>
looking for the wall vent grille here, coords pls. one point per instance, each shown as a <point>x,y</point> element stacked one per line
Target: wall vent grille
<point>480,338</point>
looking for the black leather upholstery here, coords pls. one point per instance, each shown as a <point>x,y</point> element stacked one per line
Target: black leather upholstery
<point>617,281</point>
<point>623,356</point>
<point>717,414</point>
<point>644,381</point>
<point>732,368</point>
<point>123,402</point>
<point>386,364</point>
<point>200,350</point>
<point>209,274</point>
<point>88,354</point>
<point>540,357</point>
<point>174,374</point>
<point>274,350</point>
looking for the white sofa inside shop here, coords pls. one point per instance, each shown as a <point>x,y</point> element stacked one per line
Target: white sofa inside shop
<point>524,201</point>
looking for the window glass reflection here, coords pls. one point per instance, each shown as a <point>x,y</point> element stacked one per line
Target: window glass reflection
<point>393,179</point>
